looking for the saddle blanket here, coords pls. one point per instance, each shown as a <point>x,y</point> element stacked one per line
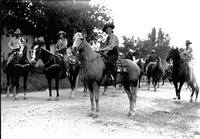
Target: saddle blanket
<point>121,65</point>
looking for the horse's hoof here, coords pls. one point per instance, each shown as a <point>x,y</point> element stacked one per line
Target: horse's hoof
<point>48,99</point>
<point>95,115</point>
<point>25,98</point>
<point>90,114</point>
<point>16,98</point>
<point>174,98</point>
<point>196,100</point>
<point>71,96</point>
<point>57,98</point>
<point>8,96</point>
<point>85,95</point>
<point>191,100</point>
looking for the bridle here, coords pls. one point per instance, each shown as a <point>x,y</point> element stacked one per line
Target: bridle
<point>82,39</point>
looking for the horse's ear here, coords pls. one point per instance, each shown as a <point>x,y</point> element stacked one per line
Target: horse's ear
<point>83,31</point>
<point>75,31</point>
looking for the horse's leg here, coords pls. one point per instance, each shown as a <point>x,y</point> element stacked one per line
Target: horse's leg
<point>176,89</point>
<point>148,82</point>
<point>57,88</point>
<point>154,83</point>
<point>90,88</point>
<point>49,85</point>
<point>96,93</point>
<point>139,81</point>
<point>16,87</point>
<point>25,85</point>
<point>179,91</point>
<point>104,90</point>
<point>85,89</point>
<point>130,97</point>
<point>8,85</point>
<point>197,91</point>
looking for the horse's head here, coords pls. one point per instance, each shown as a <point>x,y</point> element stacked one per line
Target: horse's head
<point>36,53</point>
<point>173,53</point>
<point>78,39</point>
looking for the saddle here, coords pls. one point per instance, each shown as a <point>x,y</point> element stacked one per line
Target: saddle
<point>72,60</point>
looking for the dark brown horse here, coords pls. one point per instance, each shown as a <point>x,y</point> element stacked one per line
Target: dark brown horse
<point>141,65</point>
<point>156,72</point>
<point>18,67</point>
<point>53,68</point>
<point>180,74</point>
<point>93,66</point>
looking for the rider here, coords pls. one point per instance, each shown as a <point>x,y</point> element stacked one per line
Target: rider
<point>131,55</point>
<point>153,57</point>
<point>95,45</point>
<point>110,50</point>
<point>187,56</point>
<point>61,49</point>
<point>15,43</point>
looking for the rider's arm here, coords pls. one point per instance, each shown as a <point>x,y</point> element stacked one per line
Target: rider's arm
<point>112,42</point>
<point>10,43</point>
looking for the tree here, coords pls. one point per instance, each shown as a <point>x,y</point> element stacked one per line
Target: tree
<point>160,39</point>
<point>46,18</point>
<point>152,36</point>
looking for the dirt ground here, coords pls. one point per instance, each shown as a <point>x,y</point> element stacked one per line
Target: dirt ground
<point>157,116</point>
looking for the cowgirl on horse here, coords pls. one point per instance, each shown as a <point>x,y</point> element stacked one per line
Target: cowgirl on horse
<point>111,51</point>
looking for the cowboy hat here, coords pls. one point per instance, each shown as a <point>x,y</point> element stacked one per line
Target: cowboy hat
<point>153,51</point>
<point>61,32</point>
<point>188,42</point>
<point>107,26</point>
<point>18,31</point>
<point>131,51</point>
<point>120,54</point>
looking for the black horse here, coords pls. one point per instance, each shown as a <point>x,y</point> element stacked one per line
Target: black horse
<point>180,74</point>
<point>53,69</point>
<point>18,67</point>
<point>154,71</point>
<point>141,65</point>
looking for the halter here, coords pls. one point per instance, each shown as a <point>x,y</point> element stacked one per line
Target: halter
<point>81,42</point>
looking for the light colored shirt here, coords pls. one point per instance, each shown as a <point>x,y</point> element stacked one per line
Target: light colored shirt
<point>16,43</point>
<point>111,42</point>
<point>61,44</point>
<point>95,45</point>
<point>187,54</point>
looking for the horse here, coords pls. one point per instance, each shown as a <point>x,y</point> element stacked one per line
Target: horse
<point>167,74</point>
<point>93,66</point>
<point>18,67</point>
<point>74,70</point>
<point>154,71</point>
<point>141,65</point>
<point>180,74</point>
<point>53,68</point>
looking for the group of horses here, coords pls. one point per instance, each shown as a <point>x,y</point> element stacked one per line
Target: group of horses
<point>91,65</point>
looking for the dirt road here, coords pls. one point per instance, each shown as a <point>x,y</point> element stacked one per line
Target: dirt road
<point>157,116</point>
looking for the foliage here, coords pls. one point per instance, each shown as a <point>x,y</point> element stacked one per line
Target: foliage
<point>46,18</point>
<point>160,42</point>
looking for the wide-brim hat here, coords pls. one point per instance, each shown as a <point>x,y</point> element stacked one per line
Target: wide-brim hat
<point>108,25</point>
<point>153,51</point>
<point>61,32</point>
<point>40,40</point>
<point>18,31</point>
<point>188,42</point>
<point>131,51</point>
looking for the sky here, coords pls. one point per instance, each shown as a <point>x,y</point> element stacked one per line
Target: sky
<point>179,18</point>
